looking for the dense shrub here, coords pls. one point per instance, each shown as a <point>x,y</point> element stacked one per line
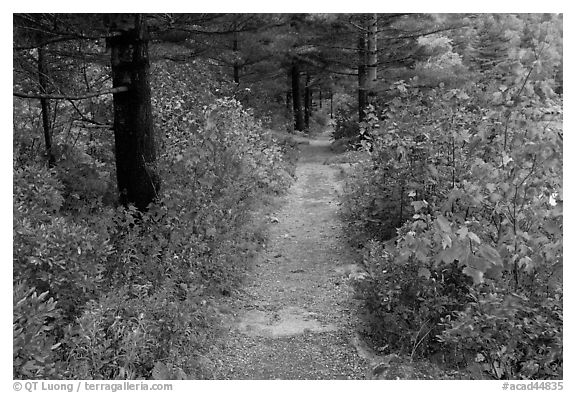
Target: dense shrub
<point>345,117</point>
<point>509,335</point>
<point>110,292</point>
<point>53,253</point>
<point>472,177</point>
<point>124,335</point>
<point>34,341</point>
<point>405,308</point>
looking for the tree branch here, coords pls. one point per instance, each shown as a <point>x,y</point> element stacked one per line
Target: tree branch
<point>115,90</point>
<point>424,34</point>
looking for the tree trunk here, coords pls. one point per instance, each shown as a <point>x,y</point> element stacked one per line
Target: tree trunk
<point>289,100</point>
<point>372,58</point>
<point>135,152</point>
<point>320,98</point>
<point>307,102</point>
<point>45,106</point>
<point>331,104</point>
<point>236,63</point>
<point>297,98</point>
<point>289,90</point>
<point>362,77</point>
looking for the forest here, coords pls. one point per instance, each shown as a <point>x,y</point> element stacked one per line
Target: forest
<point>150,153</point>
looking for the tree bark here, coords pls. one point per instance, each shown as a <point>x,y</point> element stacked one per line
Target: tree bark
<point>362,77</point>
<point>236,63</point>
<point>320,97</point>
<point>297,97</point>
<point>135,151</point>
<point>45,106</point>
<point>307,102</point>
<point>372,58</point>
<point>331,104</point>
<point>289,90</point>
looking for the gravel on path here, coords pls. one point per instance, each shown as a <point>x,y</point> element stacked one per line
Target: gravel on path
<point>295,318</point>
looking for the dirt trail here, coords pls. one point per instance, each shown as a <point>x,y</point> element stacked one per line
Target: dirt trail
<point>296,319</point>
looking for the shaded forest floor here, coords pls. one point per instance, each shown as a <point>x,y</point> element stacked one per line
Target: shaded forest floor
<point>295,318</point>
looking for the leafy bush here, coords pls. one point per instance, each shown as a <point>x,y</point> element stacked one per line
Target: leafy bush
<point>346,117</point>
<point>130,294</point>
<point>34,341</point>
<point>472,179</point>
<point>405,308</point>
<point>509,337</point>
<point>124,335</point>
<point>53,253</point>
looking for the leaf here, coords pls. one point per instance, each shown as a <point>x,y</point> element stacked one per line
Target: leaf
<point>421,256</point>
<point>496,97</point>
<point>446,241</point>
<point>474,237</point>
<point>476,275</point>
<point>450,254</point>
<point>424,272</point>
<point>506,159</point>
<point>490,254</point>
<point>462,95</point>
<point>181,375</point>
<point>462,232</point>
<point>495,197</point>
<point>444,224</point>
<point>418,205</point>
<point>433,172</point>
<point>478,263</point>
<point>527,263</point>
<point>552,228</point>
<point>160,371</point>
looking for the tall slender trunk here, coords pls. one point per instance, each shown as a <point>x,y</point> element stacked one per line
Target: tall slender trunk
<point>311,90</point>
<point>297,97</point>
<point>289,90</point>
<point>372,58</point>
<point>45,105</point>
<point>236,62</point>
<point>331,104</point>
<point>307,102</point>
<point>320,98</point>
<point>362,77</point>
<point>135,151</point>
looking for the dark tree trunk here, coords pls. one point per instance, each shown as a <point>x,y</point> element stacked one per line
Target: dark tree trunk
<point>236,63</point>
<point>311,91</point>
<point>320,97</point>
<point>45,105</point>
<point>289,90</point>
<point>307,102</point>
<point>297,98</point>
<point>135,152</point>
<point>331,104</point>
<point>362,77</point>
<point>289,100</point>
<point>372,58</point>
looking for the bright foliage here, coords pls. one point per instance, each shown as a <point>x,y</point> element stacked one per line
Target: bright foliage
<point>471,175</point>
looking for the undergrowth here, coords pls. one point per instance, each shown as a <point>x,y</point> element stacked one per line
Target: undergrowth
<point>109,292</point>
<point>458,209</point>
